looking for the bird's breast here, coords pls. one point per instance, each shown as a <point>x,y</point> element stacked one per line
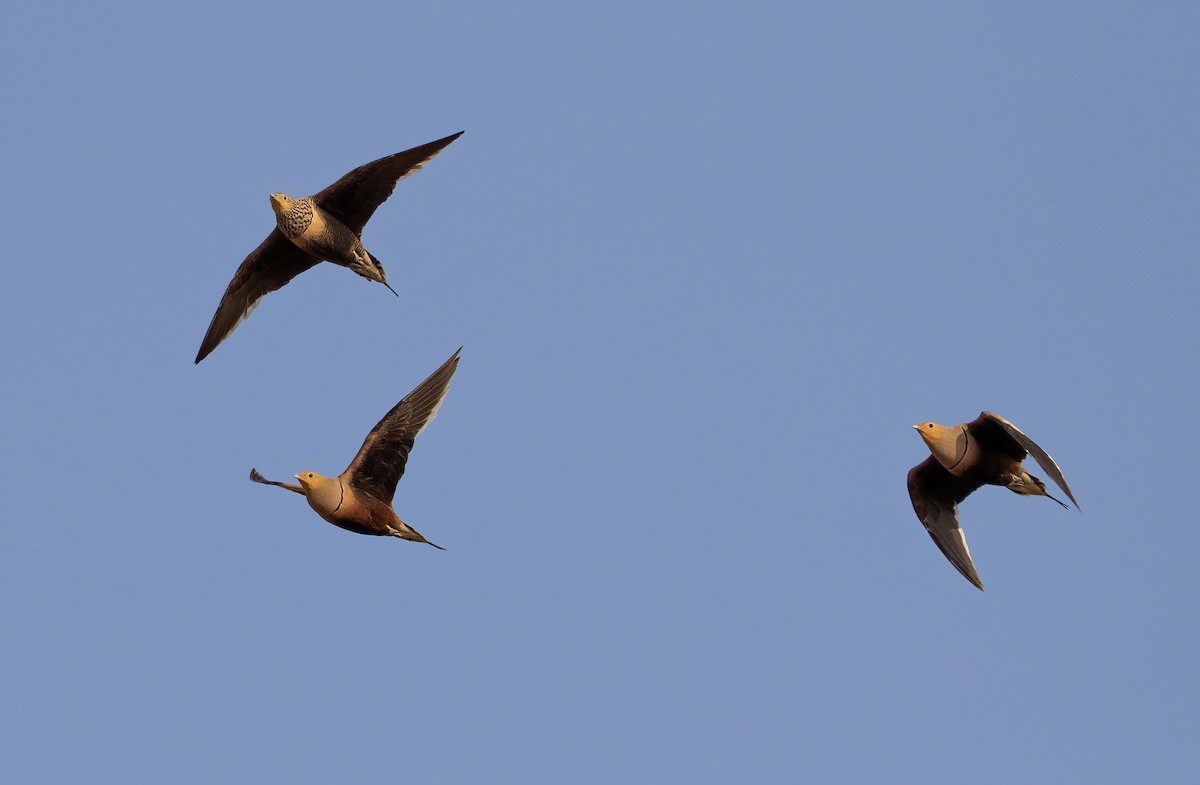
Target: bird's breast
<point>327,238</point>
<point>309,237</point>
<point>326,495</point>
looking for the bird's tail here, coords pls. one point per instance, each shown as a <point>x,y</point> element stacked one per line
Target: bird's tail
<point>382,276</point>
<point>365,264</point>
<point>256,477</point>
<point>407,532</point>
<point>1028,485</point>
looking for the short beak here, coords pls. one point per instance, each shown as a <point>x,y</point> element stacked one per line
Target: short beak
<point>297,476</point>
<point>916,427</point>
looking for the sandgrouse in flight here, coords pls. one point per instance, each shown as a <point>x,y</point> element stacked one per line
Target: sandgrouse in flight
<point>360,498</point>
<point>986,451</point>
<point>326,226</point>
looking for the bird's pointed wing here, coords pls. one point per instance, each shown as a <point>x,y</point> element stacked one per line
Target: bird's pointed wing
<point>267,268</point>
<point>935,495</point>
<point>1029,445</point>
<point>380,462</point>
<point>354,198</point>
<point>256,477</point>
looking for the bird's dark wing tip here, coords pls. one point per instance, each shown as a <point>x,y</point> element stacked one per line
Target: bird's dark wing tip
<point>211,341</point>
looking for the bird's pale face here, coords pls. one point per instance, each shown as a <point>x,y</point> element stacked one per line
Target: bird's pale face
<point>929,430</point>
<point>281,203</point>
<point>948,445</point>
<point>308,479</point>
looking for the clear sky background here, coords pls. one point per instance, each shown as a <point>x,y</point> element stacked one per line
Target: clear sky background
<point>709,263</point>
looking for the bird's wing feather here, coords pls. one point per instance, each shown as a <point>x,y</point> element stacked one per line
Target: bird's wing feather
<point>935,495</point>
<point>256,477</point>
<point>268,267</point>
<point>380,462</point>
<point>354,198</point>
<point>1029,445</point>
<point>991,435</point>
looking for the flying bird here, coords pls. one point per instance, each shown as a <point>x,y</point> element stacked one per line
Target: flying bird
<point>360,498</point>
<point>324,227</point>
<point>986,451</point>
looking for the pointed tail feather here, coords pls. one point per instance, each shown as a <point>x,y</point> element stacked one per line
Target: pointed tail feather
<point>256,477</point>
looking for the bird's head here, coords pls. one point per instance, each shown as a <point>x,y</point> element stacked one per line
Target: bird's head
<point>930,430</point>
<point>281,203</point>
<point>948,445</point>
<point>308,479</point>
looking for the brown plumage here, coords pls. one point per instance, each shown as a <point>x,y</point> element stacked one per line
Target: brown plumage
<point>360,499</point>
<point>986,451</point>
<point>326,226</point>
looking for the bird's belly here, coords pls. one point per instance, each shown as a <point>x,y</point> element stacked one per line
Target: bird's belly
<point>992,469</point>
<point>354,526</point>
<point>356,516</point>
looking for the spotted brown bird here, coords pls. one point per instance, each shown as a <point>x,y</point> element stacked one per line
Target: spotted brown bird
<point>986,451</point>
<point>360,498</point>
<point>324,227</point>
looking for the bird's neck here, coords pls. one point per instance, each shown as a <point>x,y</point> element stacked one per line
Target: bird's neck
<point>326,497</point>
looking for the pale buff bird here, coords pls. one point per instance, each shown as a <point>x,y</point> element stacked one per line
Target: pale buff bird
<point>326,226</point>
<point>360,498</point>
<point>986,451</point>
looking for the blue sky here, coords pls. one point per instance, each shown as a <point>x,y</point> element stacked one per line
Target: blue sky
<point>709,263</point>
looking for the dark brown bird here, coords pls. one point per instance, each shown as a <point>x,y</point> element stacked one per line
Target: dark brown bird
<point>324,227</point>
<point>987,451</point>
<point>360,499</point>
